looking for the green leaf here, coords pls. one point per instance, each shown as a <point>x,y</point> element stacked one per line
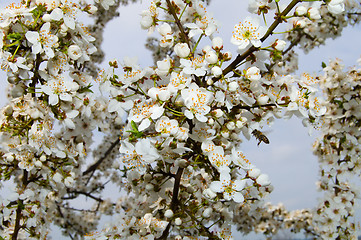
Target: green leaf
<point>134,126</point>
<point>85,89</point>
<point>14,36</point>
<point>323,65</point>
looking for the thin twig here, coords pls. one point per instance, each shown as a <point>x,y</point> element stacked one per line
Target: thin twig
<point>278,20</point>
<point>184,35</point>
<point>174,203</point>
<point>93,167</point>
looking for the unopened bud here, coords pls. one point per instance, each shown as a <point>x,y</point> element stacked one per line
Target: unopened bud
<point>232,86</point>
<point>178,221</point>
<point>216,71</point>
<point>168,213</point>
<point>231,126</point>
<point>217,43</point>
<point>207,212</point>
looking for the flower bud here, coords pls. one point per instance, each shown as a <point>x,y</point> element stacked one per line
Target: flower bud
<point>206,49</point>
<point>253,74</point>
<point>233,86</point>
<point>314,13</point>
<point>146,21</point>
<point>35,114</point>
<point>92,9</point>
<point>63,28</point>
<point>225,134</point>
<point>57,177</point>
<point>217,43</point>
<point>207,212</point>
<point>227,56</point>
<point>217,113</point>
<point>208,193</point>
<point>300,11</point>
<point>279,45</point>
<point>299,23</point>
<point>43,158</point>
<point>153,93</point>
<point>254,173</point>
<point>74,52</point>
<point>211,57</point>
<point>8,111</point>
<point>148,177</point>
<point>165,29</point>
<point>231,126</point>
<point>182,163</point>
<point>182,50</point>
<point>69,181</point>
<point>216,71</point>
<point>240,124</point>
<point>38,164</point>
<point>46,17</point>
<point>178,221</point>
<point>9,157</point>
<point>263,99</point>
<point>168,213</point>
<point>164,95</point>
<point>263,180</point>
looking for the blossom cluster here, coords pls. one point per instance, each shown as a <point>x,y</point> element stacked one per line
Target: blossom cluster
<point>172,132</point>
<point>338,153</point>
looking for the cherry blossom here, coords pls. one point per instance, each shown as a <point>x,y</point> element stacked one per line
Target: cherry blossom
<point>168,139</point>
<point>230,189</point>
<point>248,32</point>
<point>42,41</point>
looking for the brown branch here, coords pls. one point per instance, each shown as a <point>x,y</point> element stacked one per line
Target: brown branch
<point>85,194</point>
<point>174,203</point>
<point>93,167</point>
<point>279,19</point>
<point>184,35</point>
<point>17,221</point>
<point>205,229</point>
<point>19,208</point>
<point>67,223</point>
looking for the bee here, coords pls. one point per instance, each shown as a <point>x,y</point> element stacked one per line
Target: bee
<point>260,137</point>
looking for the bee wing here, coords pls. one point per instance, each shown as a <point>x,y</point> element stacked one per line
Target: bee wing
<point>267,132</point>
<point>246,133</point>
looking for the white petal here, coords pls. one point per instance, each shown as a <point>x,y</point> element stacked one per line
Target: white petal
<point>239,184</point>
<point>69,123</point>
<point>201,118</point>
<point>56,14</point>
<point>69,22</point>
<point>60,154</point>
<point>238,197</point>
<point>32,37</point>
<point>49,52</point>
<point>144,125</point>
<point>66,97</point>
<point>216,186</point>
<point>113,105</point>
<point>72,114</point>
<point>188,114</point>
<point>53,99</point>
<point>157,112</point>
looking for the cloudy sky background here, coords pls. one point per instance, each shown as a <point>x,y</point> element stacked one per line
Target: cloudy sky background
<point>288,159</point>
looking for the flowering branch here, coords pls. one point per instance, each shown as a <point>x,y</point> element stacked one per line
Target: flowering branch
<point>279,19</point>
<point>179,158</point>
<point>184,36</point>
